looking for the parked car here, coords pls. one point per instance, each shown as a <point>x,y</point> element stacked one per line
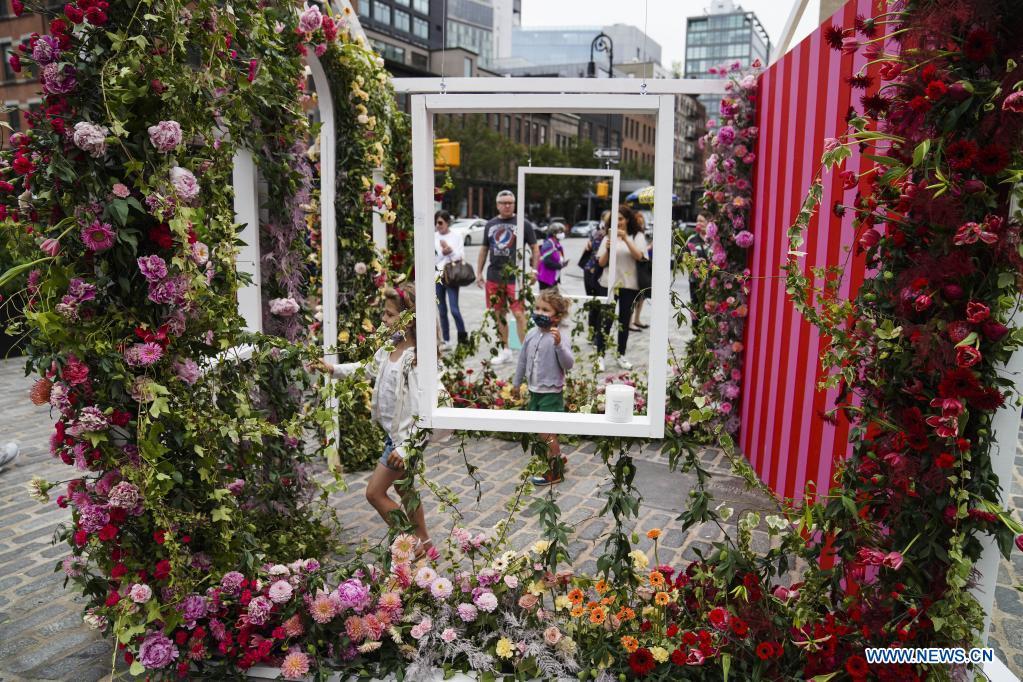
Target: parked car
<point>471,229</point>
<point>583,228</point>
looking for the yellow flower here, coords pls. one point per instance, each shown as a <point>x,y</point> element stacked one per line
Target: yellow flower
<point>541,546</point>
<point>343,336</point>
<point>366,182</point>
<point>536,588</point>
<point>504,647</point>
<point>367,325</point>
<point>653,533</point>
<point>578,611</point>
<point>629,643</point>
<point>639,559</point>
<point>561,602</point>
<point>660,654</point>
<point>661,598</point>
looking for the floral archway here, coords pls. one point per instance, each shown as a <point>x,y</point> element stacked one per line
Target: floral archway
<point>195,532</point>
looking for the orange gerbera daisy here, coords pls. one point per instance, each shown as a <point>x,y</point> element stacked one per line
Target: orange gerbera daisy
<point>607,601</point>
<point>653,533</point>
<point>657,579</point>
<point>630,643</point>
<point>601,587</point>
<point>597,615</point>
<point>626,614</point>
<point>575,596</point>
<point>661,598</point>
<point>577,611</point>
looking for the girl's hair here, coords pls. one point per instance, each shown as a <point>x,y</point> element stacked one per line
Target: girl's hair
<point>554,299</point>
<point>631,224</point>
<point>403,297</point>
<point>605,218</point>
<point>443,215</point>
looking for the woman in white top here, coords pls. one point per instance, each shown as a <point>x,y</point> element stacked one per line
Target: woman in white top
<point>630,248</point>
<point>449,248</point>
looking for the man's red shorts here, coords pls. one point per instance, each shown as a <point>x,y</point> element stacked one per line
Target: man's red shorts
<point>498,296</point>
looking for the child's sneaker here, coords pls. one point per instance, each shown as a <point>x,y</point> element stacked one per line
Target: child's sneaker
<point>549,478</point>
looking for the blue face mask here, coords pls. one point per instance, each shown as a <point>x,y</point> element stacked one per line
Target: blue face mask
<point>542,321</point>
<point>397,337</point>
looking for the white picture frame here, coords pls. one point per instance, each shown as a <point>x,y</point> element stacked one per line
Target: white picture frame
<point>423,109</point>
<point>520,222</point>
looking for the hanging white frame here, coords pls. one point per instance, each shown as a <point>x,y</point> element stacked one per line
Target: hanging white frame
<point>423,108</point>
<point>520,224</point>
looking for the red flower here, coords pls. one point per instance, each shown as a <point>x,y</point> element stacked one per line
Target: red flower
<point>672,630</point>
<point>987,399</point>
<point>162,569</point>
<point>977,312</point>
<point>959,383</point>
<point>1014,102</point>
<point>159,537</point>
<point>739,627</point>
<point>95,16</point>
<point>718,618</point>
<point>22,165</point>
<point>967,356</point>
<point>113,598</point>
<point>860,81</point>
<point>15,61</point>
<point>994,331</point>
<point>890,70</point>
<point>73,14</point>
<point>765,650</point>
<point>945,460</point>
<point>642,662</point>
<point>875,105</point>
<point>678,657</point>
<point>958,330</point>
<point>833,35</point>
<point>278,633</point>
<point>161,235</point>
<point>1019,542</point>
<point>18,7</point>
<point>979,45</point>
<point>107,532</point>
<point>919,104</point>
<point>856,666</point>
<point>960,154</point>
<point>936,89</point>
<point>81,537</point>
<point>118,571</point>
<point>992,159</point>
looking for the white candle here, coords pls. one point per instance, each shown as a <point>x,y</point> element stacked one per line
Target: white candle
<point>619,402</point>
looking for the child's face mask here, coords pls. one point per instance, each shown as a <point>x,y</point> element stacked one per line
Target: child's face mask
<point>542,321</point>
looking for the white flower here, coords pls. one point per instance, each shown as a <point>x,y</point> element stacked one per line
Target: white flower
<point>140,593</point>
<point>639,559</point>
<point>441,588</point>
<point>38,489</point>
<point>425,577</point>
<point>200,253</point>
<point>724,511</point>
<point>91,138</point>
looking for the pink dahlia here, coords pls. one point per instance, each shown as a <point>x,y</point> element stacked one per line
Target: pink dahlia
<point>98,236</point>
<point>295,665</point>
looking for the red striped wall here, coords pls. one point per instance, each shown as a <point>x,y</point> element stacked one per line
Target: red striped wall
<point>804,98</point>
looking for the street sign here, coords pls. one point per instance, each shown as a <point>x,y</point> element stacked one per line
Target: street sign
<point>608,154</point>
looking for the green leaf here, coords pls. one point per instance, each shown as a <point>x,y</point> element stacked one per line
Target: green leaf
<point>118,209</point>
<point>920,153</point>
<point>221,514</point>
<point>136,668</point>
<point>726,663</point>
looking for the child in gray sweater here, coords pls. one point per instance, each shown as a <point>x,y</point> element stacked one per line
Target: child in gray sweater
<point>543,361</point>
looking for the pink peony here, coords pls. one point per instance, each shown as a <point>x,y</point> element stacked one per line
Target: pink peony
<point>744,239</point>
<point>283,307</point>
<point>310,20</point>
<point>187,370</point>
<point>185,184</point>
<point>280,592</point>
<point>165,135</point>
<point>153,268</point>
<point>90,138</point>
<point>121,191</point>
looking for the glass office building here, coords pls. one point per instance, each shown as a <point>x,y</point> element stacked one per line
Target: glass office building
<point>716,39</point>
<point>470,25</point>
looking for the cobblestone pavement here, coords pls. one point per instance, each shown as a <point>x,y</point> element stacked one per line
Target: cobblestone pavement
<point>41,632</point>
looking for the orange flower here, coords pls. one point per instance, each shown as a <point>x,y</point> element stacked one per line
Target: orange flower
<point>657,579</point>
<point>661,598</point>
<point>577,611</point>
<point>607,601</point>
<point>601,587</point>
<point>591,604</point>
<point>597,615</point>
<point>630,643</point>
<point>653,533</point>
<point>626,614</point>
<point>576,596</point>
<point>40,393</point>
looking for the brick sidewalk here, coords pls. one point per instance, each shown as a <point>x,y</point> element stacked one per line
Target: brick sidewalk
<point>41,632</point>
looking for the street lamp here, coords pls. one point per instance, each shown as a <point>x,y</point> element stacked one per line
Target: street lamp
<point>602,43</point>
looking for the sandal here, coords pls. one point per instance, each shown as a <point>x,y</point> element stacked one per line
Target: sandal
<point>636,328</point>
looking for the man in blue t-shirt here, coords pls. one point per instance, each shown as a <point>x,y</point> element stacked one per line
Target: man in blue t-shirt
<point>500,246</point>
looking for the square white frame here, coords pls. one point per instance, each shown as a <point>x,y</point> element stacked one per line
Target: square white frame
<point>423,108</point>
<point>520,224</point>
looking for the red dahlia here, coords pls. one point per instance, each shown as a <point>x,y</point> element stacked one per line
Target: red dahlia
<point>979,45</point>
<point>936,89</point>
<point>642,662</point>
<point>860,81</point>
<point>992,159</point>
<point>856,666</point>
<point>959,383</point>
<point>961,154</point>
<point>678,657</point>
<point>765,650</point>
<point>875,105</point>
<point>834,36</point>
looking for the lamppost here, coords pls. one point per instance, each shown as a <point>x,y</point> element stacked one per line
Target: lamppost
<point>603,43</point>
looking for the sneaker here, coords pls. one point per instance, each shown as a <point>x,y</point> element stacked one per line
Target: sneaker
<point>447,347</point>
<point>502,357</point>
<point>9,453</point>
<point>549,478</point>
<point>600,365</point>
<point>624,363</point>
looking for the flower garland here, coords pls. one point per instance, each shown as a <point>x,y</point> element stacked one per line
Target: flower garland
<point>719,257</point>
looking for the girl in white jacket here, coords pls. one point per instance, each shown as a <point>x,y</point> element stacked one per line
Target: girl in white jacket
<point>394,402</point>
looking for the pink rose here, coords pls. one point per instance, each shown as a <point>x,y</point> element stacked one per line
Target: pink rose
<point>165,135</point>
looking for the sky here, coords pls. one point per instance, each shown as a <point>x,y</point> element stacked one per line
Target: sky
<point>665,19</point>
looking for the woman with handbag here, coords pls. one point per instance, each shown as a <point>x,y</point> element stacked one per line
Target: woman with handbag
<point>643,276</point>
<point>591,281</point>
<point>630,248</point>
<point>449,251</point>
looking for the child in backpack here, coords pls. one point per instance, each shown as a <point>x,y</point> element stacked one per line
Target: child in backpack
<point>545,357</point>
<point>393,406</point>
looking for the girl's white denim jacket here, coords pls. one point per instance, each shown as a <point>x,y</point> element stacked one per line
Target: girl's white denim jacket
<point>405,402</point>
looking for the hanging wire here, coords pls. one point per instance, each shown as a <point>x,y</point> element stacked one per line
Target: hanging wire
<point>646,47</point>
<point>443,47</point>
<point>529,140</point>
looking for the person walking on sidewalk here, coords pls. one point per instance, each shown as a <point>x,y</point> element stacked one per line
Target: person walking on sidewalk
<point>630,248</point>
<point>552,258</point>
<point>448,248</point>
<point>500,247</point>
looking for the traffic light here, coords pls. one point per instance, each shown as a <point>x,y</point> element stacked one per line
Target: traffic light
<point>446,154</point>
<point>603,189</point>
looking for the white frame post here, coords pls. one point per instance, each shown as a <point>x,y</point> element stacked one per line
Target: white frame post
<point>520,222</point>
<point>596,97</point>
<point>379,226</point>
<point>246,211</point>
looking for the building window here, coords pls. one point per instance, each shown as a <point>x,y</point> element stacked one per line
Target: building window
<point>543,134</point>
<point>403,3</point>
<point>518,129</point>
<point>14,118</point>
<point>421,6</point>
<point>466,67</point>
<point>507,125</point>
<point>420,60</point>
<point>382,13</point>
<point>402,21</point>
<point>5,52</point>
<point>363,8</point>
<point>420,28</point>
